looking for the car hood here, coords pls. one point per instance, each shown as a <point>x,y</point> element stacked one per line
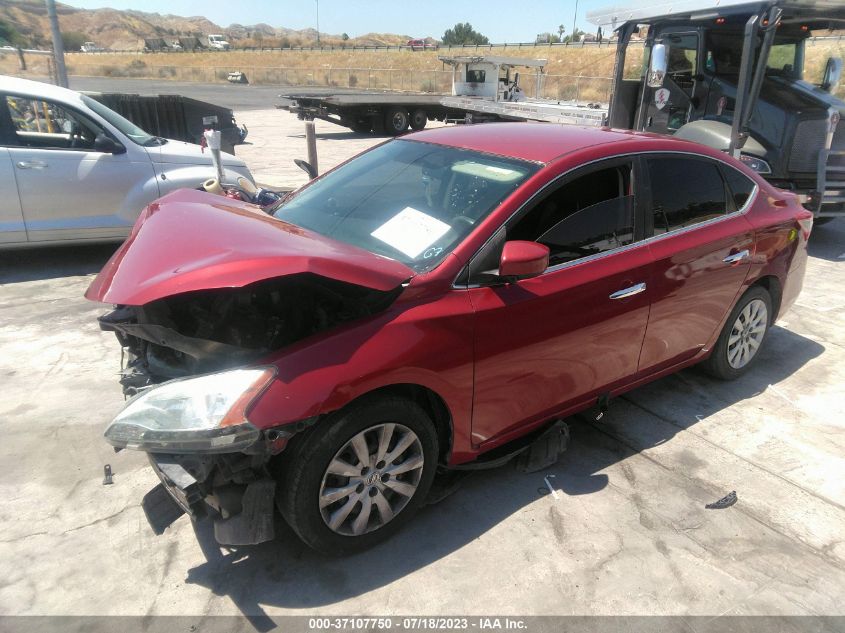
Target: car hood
<point>191,240</point>
<point>188,153</point>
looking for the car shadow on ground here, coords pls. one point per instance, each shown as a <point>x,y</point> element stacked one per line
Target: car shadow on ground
<point>287,574</point>
<point>827,241</point>
<point>54,262</point>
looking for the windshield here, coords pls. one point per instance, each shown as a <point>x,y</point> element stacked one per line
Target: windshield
<point>410,201</point>
<point>128,128</point>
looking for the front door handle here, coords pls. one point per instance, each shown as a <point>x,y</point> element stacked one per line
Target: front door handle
<point>628,292</point>
<point>31,164</point>
<point>737,257</point>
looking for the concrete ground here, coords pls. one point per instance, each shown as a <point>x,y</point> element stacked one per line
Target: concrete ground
<point>625,531</point>
<point>276,137</point>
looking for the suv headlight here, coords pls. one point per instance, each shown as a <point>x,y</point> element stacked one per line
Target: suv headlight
<point>203,414</point>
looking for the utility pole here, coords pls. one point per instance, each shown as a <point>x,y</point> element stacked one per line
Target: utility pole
<point>318,22</point>
<point>58,46</point>
<point>574,18</point>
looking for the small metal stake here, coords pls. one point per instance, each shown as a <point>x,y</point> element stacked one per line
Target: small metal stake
<point>311,142</point>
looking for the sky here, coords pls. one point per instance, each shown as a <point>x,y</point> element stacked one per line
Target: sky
<point>499,20</point>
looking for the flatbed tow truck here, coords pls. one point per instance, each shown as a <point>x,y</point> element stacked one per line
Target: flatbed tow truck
<point>484,88</point>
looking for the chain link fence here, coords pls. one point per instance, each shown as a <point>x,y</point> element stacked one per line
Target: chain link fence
<point>558,87</point>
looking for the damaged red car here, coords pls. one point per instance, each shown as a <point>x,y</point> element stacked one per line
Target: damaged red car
<point>438,303</point>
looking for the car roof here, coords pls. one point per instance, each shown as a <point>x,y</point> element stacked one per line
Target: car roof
<point>38,89</point>
<point>536,142</point>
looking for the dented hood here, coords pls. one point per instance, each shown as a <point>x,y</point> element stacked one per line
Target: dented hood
<point>191,240</point>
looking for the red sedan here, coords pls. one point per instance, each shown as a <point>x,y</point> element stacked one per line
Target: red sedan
<point>439,301</point>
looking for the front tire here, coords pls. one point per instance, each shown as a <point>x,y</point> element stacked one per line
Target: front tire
<point>742,337</point>
<point>358,477</point>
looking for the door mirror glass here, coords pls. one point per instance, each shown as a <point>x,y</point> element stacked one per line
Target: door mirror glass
<point>832,74</point>
<point>657,66</point>
<point>106,145</point>
<point>522,259</point>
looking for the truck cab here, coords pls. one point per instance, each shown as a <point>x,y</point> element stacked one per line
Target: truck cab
<point>218,42</point>
<point>731,76</point>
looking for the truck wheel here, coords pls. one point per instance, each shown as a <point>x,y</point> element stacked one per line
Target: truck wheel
<point>356,478</point>
<point>418,119</point>
<point>396,121</point>
<point>738,346</point>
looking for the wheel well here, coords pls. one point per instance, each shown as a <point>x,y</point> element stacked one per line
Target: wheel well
<point>431,403</point>
<point>773,287</point>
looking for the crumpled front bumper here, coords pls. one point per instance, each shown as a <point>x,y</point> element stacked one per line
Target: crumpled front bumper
<point>242,512</point>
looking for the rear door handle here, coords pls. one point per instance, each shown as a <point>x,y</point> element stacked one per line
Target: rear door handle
<point>737,257</point>
<point>31,164</point>
<point>628,292</point>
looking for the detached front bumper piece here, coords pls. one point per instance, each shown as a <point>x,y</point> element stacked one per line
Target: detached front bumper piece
<point>242,512</point>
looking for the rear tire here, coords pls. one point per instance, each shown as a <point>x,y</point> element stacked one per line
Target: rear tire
<point>396,121</point>
<point>742,337</point>
<point>419,119</point>
<point>340,490</point>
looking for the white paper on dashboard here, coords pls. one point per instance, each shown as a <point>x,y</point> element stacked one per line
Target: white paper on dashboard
<point>411,231</point>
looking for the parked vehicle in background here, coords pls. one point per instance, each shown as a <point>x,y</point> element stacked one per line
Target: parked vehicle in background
<point>730,74</point>
<point>73,170</point>
<point>440,301</point>
<point>91,47</point>
<point>484,88</point>
<point>218,42</point>
<point>420,45</point>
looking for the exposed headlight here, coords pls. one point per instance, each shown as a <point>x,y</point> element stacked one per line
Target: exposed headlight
<point>757,164</point>
<point>204,414</point>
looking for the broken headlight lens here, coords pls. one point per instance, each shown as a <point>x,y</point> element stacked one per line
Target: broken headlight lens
<point>203,414</point>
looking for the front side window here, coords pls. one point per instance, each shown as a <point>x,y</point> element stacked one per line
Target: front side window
<point>407,200</point>
<point>476,76</point>
<point>685,192</point>
<point>43,124</point>
<point>129,129</point>
<point>590,214</point>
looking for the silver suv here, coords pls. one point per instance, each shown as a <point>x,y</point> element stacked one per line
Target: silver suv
<point>71,169</point>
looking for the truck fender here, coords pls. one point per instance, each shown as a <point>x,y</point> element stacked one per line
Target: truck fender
<point>717,134</point>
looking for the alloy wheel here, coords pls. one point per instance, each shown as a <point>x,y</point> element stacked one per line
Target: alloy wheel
<point>371,479</point>
<point>747,333</point>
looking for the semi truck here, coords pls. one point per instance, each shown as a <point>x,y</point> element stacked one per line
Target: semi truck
<point>484,88</point>
<point>730,74</point>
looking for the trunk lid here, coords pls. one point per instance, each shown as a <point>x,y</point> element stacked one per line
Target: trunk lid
<point>191,240</point>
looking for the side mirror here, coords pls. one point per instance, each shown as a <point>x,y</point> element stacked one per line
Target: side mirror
<point>657,66</point>
<point>832,74</point>
<point>107,145</point>
<point>522,259</point>
<point>307,167</point>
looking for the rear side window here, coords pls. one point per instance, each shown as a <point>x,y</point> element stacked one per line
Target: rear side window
<point>741,186</point>
<point>685,192</point>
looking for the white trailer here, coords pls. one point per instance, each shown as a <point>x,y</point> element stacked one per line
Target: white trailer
<point>484,88</point>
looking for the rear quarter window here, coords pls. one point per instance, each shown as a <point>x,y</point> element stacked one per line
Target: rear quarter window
<point>740,186</point>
